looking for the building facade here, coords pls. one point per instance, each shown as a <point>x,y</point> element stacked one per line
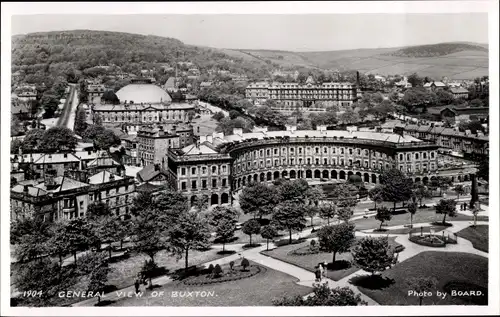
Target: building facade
<point>312,155</point>
<point>309,96</point>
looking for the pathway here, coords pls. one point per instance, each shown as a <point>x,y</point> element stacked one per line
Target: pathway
<point>306,277</point>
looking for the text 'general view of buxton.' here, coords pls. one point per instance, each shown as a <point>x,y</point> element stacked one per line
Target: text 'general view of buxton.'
<point>149,172</point>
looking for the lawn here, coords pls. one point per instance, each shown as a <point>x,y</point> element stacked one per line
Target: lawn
<point>310,261</point>
<point>258,290</point>
<point>477,235</point>
<point>452,270</point>
<point>415,228</point>
<point>426,215</point>
<point>125,271</point>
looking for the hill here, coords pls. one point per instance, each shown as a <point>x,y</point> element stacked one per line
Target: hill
<point>73,53</point>
<point>460,60</point>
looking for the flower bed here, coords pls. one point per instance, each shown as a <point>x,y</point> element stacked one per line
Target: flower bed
<point>226,276</point>
<point>433,241</point>
<point>305,250</point>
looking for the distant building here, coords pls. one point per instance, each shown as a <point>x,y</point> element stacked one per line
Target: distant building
<point>115,191</point>
<point>205,84</point>
<point>433,85</point>
<point>459,93</point>
<point>95,92</point>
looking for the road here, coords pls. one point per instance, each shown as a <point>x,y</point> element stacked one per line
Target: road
<point>74,105</point>
<point>69,109</point>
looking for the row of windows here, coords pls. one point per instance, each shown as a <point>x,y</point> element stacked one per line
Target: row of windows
<point>309,150</point>
<point>204,184</point>
<point>204,170</point>
<point>416,156</point>
<point>308,161</point>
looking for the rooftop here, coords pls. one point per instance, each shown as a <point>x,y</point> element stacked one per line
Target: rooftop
<point>143,93</point>
<point>149,172</point>
<point>103,177</point>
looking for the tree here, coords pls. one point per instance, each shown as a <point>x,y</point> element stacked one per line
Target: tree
<point>80,121</point>
<point>245,263</point>
<point>141,201</point>
<point>110,97</point>
<point>459,189</point>
<point>258,199</point>
<point>421,285</point>
<point>58,138</point>
<point>218,116</point>
<point>31,237</point>
<point>376,194</point>
<point>172,205</point>
<point>483,170</point>
<point>349,116</point>
<point>311,211</point>
<point>106,139</point>
<point>98,209</point>
<point>293,190</point>
<point>149,232</point>
<point>268,232</point>
<point>412,209</point>
<point>32,140</point>
<point>314,195</point>
<point>323,295</point>
<point>396,186</point>
<point>336,239</point>
<point>415,80</point>
<point>383,214</point>
<point>343,195</point>
<point>221,213</point>
<point>421,192</point>
<point>191,114</point>
<point>447,207</point>
<point>225,230</point>
<point>345,213</point>
<point>373,255</point>
<point>233,114</point>
<point>290,215</point>
<point>251,227</point>
<point>98,279</point>
<point>44,275</point>
<point>189,233</point>
<point>327,210</point>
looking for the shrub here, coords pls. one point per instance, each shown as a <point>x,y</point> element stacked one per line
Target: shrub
<point>283,242</point>
<point>231,265</point>
<point>217,270</point>
<point>245,263</point>
<point>210,268</point>
<point>399,248</point>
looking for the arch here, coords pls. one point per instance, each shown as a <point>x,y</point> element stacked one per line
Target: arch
<point>433,178</point>
<point>214,199</point>
<point>425,180</point>
<point>334,174</point>
<point>224,198</point>
<point>417,179</point>
<point>239,182</point>
<point>358,173</point>
<point>342,175</point>
<point>284,174</point>
<point>293,174</point>
<point>249,179</point>
<point>460,179</point>
<point>255,177</point>
<point>243,181</point>
<point>466,178</point>
<point>453,179</point>
<point>325,174</point>
<point>262,177</point>
<point>309,174</point>
<point>269,176</point>
<point>317,174</point>
<point>276,175</point>
<point>374,179</point>
<point>349,174</point>
<point>366,177</point>
<point>300,174</point>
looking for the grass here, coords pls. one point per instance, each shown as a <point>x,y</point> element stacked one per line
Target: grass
<point>427,215</point>
<point>446,267</point>
<point>415,228</point>
<point>477,235</point>
<point>124,272</point>
<point>258,290</point>
<point>310,261</point>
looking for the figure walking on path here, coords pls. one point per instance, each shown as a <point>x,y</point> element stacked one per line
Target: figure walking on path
<point>137,284</point>
<point>317,273</point>
<point>325,268</point>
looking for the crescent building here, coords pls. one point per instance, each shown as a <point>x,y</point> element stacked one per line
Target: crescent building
<point>219,164</point>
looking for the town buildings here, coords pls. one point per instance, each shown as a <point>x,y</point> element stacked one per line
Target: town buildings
<point>95,92</point>
<point>456,114</point>
<point>459,92</point>
<point>219,164</point>
<point>310,96</point>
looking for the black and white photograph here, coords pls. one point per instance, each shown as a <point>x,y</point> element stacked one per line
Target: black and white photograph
<point>210,157</point>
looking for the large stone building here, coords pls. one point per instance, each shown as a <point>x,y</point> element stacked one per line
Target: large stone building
<point>310,96</point>
<point>221,164</point>
<point>154,141</point>
<point>142,103</point>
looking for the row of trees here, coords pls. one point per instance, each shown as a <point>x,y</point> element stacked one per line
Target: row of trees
<point>53,140</point>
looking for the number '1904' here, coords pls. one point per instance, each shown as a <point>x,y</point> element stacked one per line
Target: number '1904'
<point>32,293</point>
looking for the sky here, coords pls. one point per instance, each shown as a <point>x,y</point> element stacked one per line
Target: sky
<point>307,32</point>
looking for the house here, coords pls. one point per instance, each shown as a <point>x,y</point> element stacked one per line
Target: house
<point>433,85</point>
<point>205,84</point>
<point>459,93</point>
<point>459,114</point>
<point>153,179</point>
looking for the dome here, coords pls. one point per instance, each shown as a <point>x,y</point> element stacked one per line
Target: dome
<point>145,93</point>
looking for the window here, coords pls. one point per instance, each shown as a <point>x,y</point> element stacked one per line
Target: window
<point>204,184</point>
<point>183,171</point>
<point>224,182</point>
<point>183,185</point>
<point>424,155</point>
<point>204,170</point>
<point>214,169</point>
<point>432,154</point>
<point>193,184</point>
<point>107,192</point>
<point>300,150</point>
<point>325,150</point>
<point>416,156</point>
<point>193,170</point>
<point>341,150</point>
<point>261,153</point>
<point>401,158</point>
<point>275,151</point>
<point>325,161</point>
<point>317,161</point>
<point>350,162</point>
<point>359,151</point>
<point>292,150</point>
<point>292,161</point>
<point>276,162</point>
<point>308,160</point>
<point>408,157</point>
<point>224,167</point>
<point>268,152</point>
<point>214,183</point>
<point>317,150</point>
<point>350,151</point>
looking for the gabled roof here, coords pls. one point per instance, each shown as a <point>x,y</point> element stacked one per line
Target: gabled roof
<point>459,90</point>
<point>192,149</point>
<point>63,183</point>
<point>32,191</point>
<point>149,172</point>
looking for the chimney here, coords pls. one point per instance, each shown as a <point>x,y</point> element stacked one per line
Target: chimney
<point>25,189</point>
<point>111,177</point>
<point>291,128</point>
<point>89,152</point>
<point>238,131</point>
<point>65,155</point>
<point>157,167</point>
<point>321,128</point>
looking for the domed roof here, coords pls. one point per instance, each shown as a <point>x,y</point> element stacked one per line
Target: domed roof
<point>146,93</point>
